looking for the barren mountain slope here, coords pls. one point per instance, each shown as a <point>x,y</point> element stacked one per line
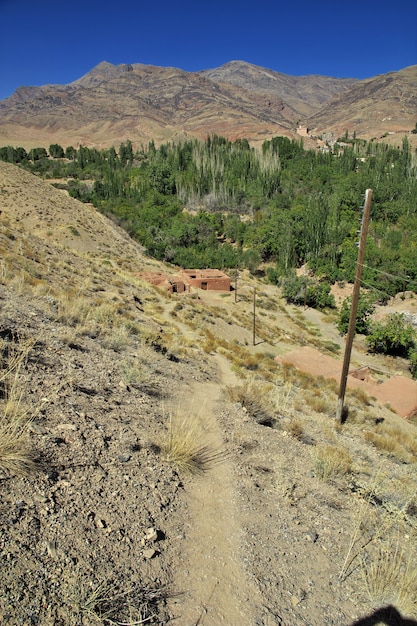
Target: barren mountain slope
<point>373,107</point>
<point>288,519</point>
<point>111,104</point>
<point>305,94</point>
<point>140,102</point>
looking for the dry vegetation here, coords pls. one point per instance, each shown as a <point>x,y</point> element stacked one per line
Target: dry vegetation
<point>16,455</point>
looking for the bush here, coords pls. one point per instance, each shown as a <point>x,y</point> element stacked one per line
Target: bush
<point>366,306</point>
<point>302,290</point>
<point>413,363</point>
<point>396,337</point>
<point>273,275</point>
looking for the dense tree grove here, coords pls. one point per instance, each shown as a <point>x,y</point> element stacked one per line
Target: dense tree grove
<point>224,204</point>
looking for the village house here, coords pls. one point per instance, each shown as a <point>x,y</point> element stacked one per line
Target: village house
<point>302,130</point>
<point>207,279</point>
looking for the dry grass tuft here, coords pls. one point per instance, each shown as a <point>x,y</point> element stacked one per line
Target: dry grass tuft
<point>295,428</point>
<point>331,462</point>
<point>255,399</point>
<point>395,441</point>
<point>361,395</point>
<point>103,604</point>
<point>16,456</point>
<point>391,579</point>
<point>116,338</point>
<point>184,445</point>
<point>72,309</point>
<point>319,403</point>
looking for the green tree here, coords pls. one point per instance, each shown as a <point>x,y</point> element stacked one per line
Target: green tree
<point>70,153</point>
<point>7,153</point>
<point>56,151</point>
<point>366,306</point>
<point>36,154</point>
<point>395,336</point>
<point>20,155</point>
<point>303,290</point>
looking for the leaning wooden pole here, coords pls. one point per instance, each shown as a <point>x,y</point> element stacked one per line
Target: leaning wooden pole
<point>354,309</point>
<point>254,316</point>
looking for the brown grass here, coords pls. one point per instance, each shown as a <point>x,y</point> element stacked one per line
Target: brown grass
<point>255,398</point>
<point>102,603</point>
<point>331,462</point>
<point>295,428</point>
<point>394,441</point>
<point>16,457</point>
<point>184,444</point>
<point>391,579</point>
<point>319,403</point>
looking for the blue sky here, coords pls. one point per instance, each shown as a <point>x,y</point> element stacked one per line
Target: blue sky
<point>49,41</point>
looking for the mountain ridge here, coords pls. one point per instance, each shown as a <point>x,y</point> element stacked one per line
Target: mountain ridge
<point>112,103</point>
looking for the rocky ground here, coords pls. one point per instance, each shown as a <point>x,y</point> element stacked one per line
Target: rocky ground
<point>287,517</point>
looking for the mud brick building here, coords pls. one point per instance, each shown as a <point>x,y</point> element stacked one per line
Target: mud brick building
<point>208,279</point>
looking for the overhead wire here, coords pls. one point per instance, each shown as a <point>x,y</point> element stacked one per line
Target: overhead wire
<point>374,269</point>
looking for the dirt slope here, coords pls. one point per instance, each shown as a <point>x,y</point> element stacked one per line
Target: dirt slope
<point>105,530</point>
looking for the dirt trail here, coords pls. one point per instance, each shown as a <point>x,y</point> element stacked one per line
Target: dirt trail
<point>211,572</point>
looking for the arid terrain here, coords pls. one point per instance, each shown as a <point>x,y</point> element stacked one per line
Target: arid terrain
<point>169,469</point>
<point>113,103</point>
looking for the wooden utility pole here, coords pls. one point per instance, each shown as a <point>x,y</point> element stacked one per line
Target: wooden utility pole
<point>254,316</point>
<point>236,273</point>
<point>354,309</point>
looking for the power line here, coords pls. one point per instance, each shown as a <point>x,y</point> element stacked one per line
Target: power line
<point>402,278</point>
<point>369,286</point>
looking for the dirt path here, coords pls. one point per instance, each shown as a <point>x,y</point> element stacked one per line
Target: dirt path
<point>211,573</point>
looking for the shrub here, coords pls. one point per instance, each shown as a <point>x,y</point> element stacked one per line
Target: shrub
<point>413,363</point>
<point>366,306</point>
<point>302,290</point>
<point>396,337</point>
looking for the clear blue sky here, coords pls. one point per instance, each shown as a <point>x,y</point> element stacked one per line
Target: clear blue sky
<point>50,41</point>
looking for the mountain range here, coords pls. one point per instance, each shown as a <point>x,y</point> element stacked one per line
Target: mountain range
<point>113,103</point>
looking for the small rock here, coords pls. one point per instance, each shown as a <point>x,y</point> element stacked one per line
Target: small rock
<point>51,548</point>
<point>151,534</point>
<point>149,554</point>
<point>39,497</point>
<point>311,536</point>
<point>37,429</point>
<point>100,523</point>
<point>124,458</point>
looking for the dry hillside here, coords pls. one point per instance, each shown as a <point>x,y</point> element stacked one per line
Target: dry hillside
<point>305,94</point>
<point>373,108</point>
<point>157,467</point>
